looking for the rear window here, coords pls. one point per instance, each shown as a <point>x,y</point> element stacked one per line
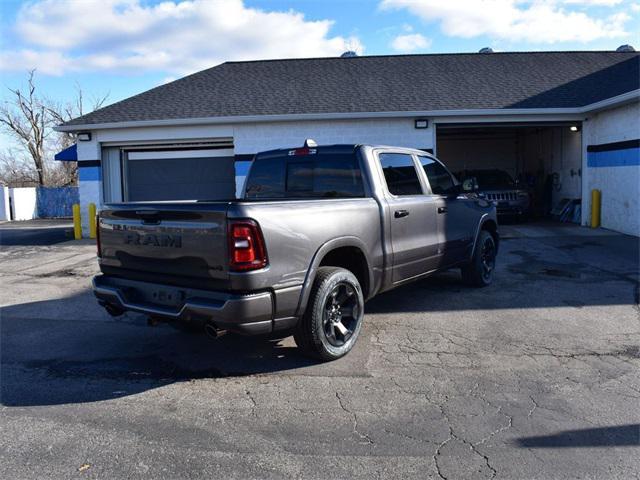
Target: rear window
<point>327,175</point>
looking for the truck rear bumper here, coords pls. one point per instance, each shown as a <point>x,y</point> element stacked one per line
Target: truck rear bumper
<point>243,313</point>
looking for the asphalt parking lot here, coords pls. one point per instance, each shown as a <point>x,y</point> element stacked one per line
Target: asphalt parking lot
<point>537,376</point>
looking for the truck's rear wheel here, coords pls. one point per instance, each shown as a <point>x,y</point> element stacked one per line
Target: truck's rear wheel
<point>479,272</point>
<point>333,319</point>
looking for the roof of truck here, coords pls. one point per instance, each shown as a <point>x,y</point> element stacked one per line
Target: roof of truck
<point>391,83</point>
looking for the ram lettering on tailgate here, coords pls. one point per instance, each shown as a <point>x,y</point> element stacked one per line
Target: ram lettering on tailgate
<point>157,240</point>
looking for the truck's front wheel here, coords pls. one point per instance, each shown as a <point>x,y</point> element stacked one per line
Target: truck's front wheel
<point>479,273</point>
<point>331,324</point>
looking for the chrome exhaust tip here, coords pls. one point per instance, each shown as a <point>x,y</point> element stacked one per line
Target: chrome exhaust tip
<point>213,332</point>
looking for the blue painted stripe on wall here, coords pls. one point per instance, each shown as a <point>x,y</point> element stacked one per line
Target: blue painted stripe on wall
<point>627,157</point>
<point>89,174</point>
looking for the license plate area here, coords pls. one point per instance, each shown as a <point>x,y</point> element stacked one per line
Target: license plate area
<point>166,297</point>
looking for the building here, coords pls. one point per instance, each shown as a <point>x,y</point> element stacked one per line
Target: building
<point>570,118</point>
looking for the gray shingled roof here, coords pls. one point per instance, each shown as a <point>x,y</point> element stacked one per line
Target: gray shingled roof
<point>384,84</point>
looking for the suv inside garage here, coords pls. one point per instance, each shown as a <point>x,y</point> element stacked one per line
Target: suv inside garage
<point>528,170</point>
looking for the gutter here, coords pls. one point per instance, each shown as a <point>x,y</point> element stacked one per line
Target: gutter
<point>633,95</point>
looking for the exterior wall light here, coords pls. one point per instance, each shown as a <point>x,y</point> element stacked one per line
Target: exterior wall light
<point>421,123</point>
<point>574,128</point>
<point>84,136</point>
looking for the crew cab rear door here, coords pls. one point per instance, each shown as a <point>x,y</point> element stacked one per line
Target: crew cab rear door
<point>412,217</point>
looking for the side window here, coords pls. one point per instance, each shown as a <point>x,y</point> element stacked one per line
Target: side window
<point>439,178</point>
<point>400,174</point>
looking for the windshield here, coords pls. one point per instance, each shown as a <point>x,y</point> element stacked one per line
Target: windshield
<point>490,179</point>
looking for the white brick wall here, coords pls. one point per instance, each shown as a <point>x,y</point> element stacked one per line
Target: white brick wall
<point>615,125</point>
<point>159,134</point>
<point>620,186</point>
<point>255,137</point>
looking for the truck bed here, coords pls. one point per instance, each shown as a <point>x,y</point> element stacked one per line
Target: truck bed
<point>186,244</point>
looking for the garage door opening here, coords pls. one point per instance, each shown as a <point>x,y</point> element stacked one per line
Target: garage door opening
<point>166,172</point>
<point>528,170</point>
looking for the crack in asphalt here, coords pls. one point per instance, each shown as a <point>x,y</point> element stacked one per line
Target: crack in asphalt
<point>363,436</point>
<point>533,409</point>
<point>454,436</point>
<point>254,404</point>
<point>499,430</point>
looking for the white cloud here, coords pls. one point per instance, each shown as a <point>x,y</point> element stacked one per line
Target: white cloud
<point>177,37</point>
<point>590,3</point>
<point>536,21</point>
<point>410,42</point>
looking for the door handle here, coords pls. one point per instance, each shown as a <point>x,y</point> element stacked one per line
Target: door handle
<point>401,213</point>
<point>442,209</point>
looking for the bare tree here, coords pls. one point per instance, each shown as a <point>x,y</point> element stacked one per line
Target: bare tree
<point>16,171</point>
<point>29,119</point>
<point>66,173</point>
<point>25,118</point>
<point>63,112</point>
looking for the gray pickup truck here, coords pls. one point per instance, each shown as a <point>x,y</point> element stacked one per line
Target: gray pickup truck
<point>319,231</point>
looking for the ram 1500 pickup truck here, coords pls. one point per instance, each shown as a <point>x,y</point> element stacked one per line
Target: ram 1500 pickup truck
<point>318,231</point>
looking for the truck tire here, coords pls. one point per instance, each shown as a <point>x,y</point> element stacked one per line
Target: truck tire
<point>331,324</point>
<point>479,272</point>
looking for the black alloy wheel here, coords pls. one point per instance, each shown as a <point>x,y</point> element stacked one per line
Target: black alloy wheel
<point>341,314</point>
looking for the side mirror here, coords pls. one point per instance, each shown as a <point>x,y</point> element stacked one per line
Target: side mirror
<point>470,185</point>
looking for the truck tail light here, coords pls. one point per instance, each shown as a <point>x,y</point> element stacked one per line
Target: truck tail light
<point>99,252</point>
<point>246,246</point>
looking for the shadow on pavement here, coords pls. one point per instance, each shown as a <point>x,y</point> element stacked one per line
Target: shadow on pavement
<point>22,236</point>
<point>623,435</point>
<point>76,358</point>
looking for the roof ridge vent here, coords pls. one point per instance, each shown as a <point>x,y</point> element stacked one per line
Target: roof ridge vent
<point>349,54</point>
<point>625,48</point>
<point>486,50</point>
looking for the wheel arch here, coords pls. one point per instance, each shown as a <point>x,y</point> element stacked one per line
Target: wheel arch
<point>489,224</point>
<point>345,252</point>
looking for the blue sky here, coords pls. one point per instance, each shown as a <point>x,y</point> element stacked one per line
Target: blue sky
<point>127,46</point>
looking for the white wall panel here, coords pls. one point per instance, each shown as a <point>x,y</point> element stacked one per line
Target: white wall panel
<point>255,137</point>
<point>5,214</point>
<point>620,185</point>
<point>24,202</point>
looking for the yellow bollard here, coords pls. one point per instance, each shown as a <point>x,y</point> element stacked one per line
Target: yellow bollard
<point>596,201</point>
<point>77,227</point>
<point>92,220</point>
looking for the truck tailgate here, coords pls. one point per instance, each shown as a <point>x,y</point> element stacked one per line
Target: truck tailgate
<point>170,240</point>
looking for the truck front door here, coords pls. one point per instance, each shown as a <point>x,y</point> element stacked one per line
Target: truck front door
<point>456,218</point>
<point>414,237</point>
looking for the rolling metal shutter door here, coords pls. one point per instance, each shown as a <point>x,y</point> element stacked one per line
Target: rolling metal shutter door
<point>180,175</point>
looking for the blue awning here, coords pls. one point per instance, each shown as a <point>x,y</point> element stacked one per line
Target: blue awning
<point>69,154</point>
